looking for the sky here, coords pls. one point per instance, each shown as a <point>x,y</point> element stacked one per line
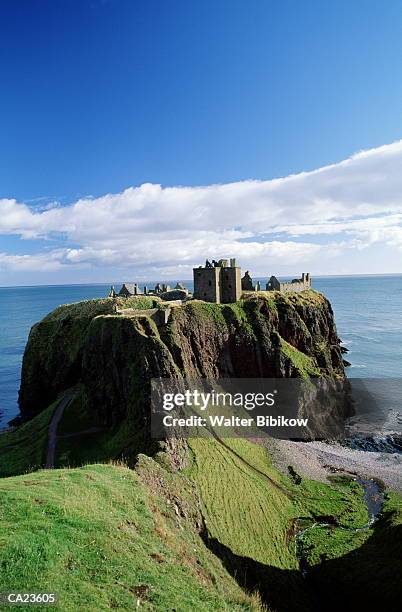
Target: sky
<point>139,137</point>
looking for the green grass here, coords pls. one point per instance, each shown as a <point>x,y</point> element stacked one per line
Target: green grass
<point>325,543</point>
<point>310,297</point>
<point>204,311</point>
<point>82,448</point>
<point>236,314</point>
<point>250,507</point>
<point>365,566</point>
<point>328,543</point>
<point>244,510</point>
<point>102,537</point>
<point>86,309</point>
<point>24,449</point>
<point>304,365</point>
<point>82,437</point>
<point>254,513</point>
<point>141,302</point>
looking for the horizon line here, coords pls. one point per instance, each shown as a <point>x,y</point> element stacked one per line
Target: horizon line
<point>186,280</point>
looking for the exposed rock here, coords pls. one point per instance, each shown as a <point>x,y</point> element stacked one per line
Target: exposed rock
<point>113,357</point>
<point>53,356</point>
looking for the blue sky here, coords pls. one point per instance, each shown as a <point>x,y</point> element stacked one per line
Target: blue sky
<point>102,96</point>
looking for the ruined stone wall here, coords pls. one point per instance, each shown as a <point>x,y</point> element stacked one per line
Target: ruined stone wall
<point>207,284</point>
<point>230,285</point>
<point>296,285</point>
<point>287,287</point>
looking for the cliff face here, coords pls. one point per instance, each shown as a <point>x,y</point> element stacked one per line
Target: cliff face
<point>262,336</point>
<point>53,356</point>
<point>231,500</point>
<point>113,356</point>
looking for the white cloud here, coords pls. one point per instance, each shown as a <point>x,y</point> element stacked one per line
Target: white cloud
<point>311,217</point>
<point>43,261</point>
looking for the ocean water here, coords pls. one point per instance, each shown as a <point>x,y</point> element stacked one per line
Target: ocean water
<point>367,312</point>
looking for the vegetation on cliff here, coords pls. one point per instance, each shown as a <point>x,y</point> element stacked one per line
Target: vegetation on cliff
<point>106,537</point>
<point>204,524</point>
<point>109,359</point>
<point>24,449</point>
<point>114,356</point>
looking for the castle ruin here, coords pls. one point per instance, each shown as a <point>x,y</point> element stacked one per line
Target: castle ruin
<point>297,284</point>
<point>131,289</point>
<point>222,283</point>
<point>218,282</point>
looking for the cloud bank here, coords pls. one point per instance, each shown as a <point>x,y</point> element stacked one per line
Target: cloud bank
<point>332,219</point>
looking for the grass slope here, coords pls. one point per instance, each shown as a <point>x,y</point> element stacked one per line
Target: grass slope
<point>252,514</point>
<point>250,507</point>
<point>81,439</point>
<point>102,538</point>
<point>102,535</point>
<point>24,449</point>
<point>365,566</point>
<point>243,508</point>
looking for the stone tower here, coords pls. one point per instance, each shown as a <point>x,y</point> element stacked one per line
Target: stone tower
<point>218,282</point>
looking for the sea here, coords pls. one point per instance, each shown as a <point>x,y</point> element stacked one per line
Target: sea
<point>367,309</point>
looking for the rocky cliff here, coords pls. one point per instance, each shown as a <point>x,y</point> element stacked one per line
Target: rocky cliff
<point>113,356</point>
<point>230,500</point>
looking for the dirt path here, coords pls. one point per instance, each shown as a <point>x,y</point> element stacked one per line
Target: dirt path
<point>52,439</point>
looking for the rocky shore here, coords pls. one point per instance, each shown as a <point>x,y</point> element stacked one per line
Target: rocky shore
<point>318,460</point>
